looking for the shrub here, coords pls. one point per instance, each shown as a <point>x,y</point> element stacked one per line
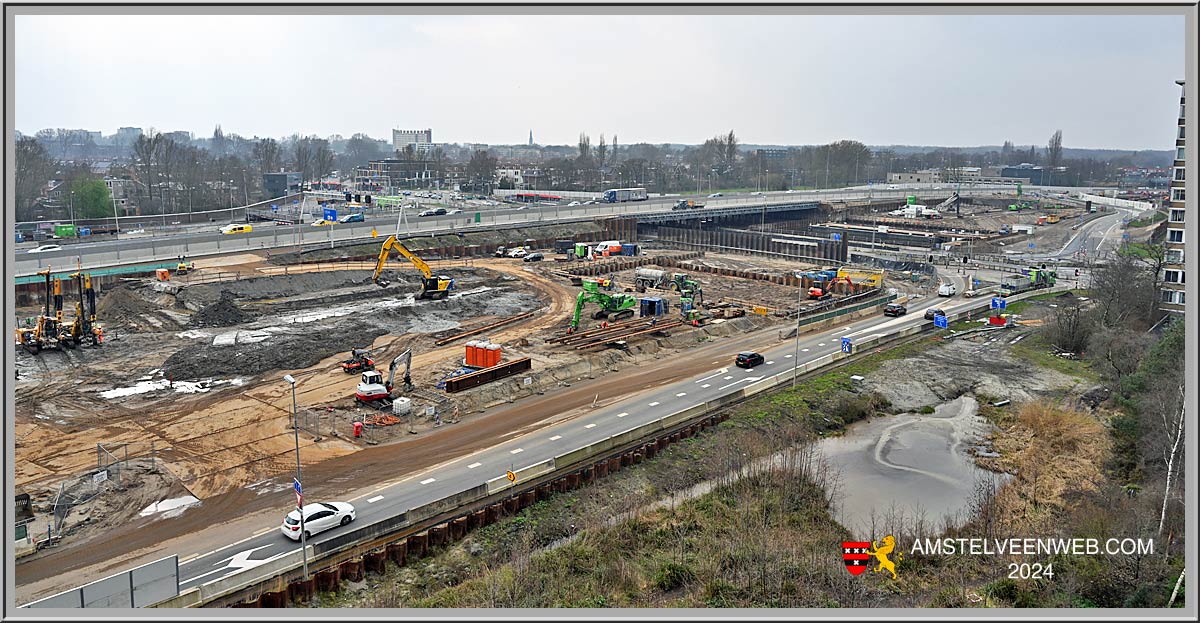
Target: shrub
<point>674,575</point>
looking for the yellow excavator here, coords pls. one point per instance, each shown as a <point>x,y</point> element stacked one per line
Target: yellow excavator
<point>431,287</point>
<point>49,329</point>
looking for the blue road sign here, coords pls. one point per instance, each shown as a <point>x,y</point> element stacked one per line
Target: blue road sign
<point>274,207</point>
<point>1031,245</point>
<point>941,322</point>
<point>330,214</point>
<point>998,303</point>
<point>294,201</point>
<point>837,237</point>
<point>296,486</point>
<point>1125,236</point>
<point>846,345</point>
<point>975,282</point>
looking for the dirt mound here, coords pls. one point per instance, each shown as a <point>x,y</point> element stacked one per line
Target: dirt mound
<point>121,307</point>
<point>301,349</point>
<point>222,313</point>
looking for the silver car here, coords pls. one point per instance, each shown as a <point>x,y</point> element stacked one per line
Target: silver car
<point>318,517</point>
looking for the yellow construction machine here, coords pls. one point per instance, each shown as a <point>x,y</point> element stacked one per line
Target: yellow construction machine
<point>872,278</point>
<point>84,327</point>
<point>431,287</point>
<point>48,330</point>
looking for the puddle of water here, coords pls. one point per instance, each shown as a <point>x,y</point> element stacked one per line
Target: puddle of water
<point>915,465</point>
<point>181,387</point>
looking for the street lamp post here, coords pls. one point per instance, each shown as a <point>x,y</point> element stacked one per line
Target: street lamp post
<point>299,500</point>
<point>796,348</point>
<point>116,225</point>
<point>73,214</point>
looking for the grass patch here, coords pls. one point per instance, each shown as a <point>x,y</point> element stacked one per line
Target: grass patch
<point>1154,217</point>
<point>1037,351</point>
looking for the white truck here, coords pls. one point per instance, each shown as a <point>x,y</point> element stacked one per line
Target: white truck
<point>947,289</point>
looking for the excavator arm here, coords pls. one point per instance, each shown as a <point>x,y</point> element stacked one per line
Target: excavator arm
<point>431,287</point>
<point>407,357</point>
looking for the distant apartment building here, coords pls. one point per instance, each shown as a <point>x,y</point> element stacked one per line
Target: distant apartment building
<point>511,174</point>
<point>1174,272</point>
<point>421,140</point>
<point>128,136</point>
<point>391,175</point>
<point>926,176</point>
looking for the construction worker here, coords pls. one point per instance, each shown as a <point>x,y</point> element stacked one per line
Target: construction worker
<point>99,335</point>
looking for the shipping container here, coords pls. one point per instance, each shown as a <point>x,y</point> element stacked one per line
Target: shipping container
<point>629,249</point>
<point>64,230</point>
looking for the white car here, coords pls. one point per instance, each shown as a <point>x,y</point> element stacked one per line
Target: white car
<point>757,192</point>
<point>454,211</point>
<point>518,252</point>
<point>573,204</point>
<point>714,195</point>
<point>45,247</point>
<point>318,518</point>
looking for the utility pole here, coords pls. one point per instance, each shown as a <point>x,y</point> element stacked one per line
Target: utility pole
<point>299,498</point>
<point>796,349</point>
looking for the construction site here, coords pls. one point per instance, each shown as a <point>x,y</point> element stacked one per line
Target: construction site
<point>179,376</point>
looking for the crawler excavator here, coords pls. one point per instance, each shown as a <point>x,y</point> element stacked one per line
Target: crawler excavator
<point>374,392</point>
<point>612,306</point>
<point>431,287</point>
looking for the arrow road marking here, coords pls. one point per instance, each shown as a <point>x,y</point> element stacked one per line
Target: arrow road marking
<point>749,378</point>
<point>239,561</point>
<point>592,425</point>
<point>718,373</point>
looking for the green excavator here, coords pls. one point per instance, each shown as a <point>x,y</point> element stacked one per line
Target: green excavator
<point>612,306</point>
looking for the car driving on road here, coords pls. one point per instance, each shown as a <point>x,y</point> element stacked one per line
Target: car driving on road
<point>714,195</point>
<point>933,311</point>
<point>748,359</point>
<point>428,213</point>
<point>43,248</point>
<point>895,309</point>
<point>318,518</point>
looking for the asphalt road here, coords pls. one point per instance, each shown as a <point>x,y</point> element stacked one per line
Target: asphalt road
<point>250,550</point>
<point>166,245</point>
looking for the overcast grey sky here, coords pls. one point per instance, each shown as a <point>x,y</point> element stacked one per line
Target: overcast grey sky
<point>1105,81</point>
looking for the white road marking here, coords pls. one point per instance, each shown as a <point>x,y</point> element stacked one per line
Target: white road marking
<point>728,377</point>
<point>428,480</point>
<point>680,394</point>
<point>705,386</point>
<point>474,465</point>
<point>516,451</point>
<point>718,373</point>
<point>622,414</point>
<point>654,404</point>
<point>263,531</point>
<point>556,438</point>
<point>821,344</point>
<point>770,362</point>
<point>749,378</point>
<point>238,561</point>
<point>592,425</point>
<point>804,350</point>
<point>374,499</point>
<point>788,356</point>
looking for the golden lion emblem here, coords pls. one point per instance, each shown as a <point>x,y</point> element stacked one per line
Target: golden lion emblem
<point>881,555</point>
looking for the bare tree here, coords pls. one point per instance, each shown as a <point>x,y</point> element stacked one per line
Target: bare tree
<point>167,155</point>
<point>266,154</point>
<point>33,171</point>
<point>1174,438</point>
<point>304,156</point>
<point>601,152</point>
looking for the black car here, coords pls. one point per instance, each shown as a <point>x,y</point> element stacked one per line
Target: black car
<point>440,211</point>
<point>533,257</point>
<point>933,311</point>
<point>748,360</point>
<point>895,309</point>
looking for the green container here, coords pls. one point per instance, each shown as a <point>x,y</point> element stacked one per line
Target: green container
<point>581,249</point>
<point>66,230</point>
<point>912,199</point>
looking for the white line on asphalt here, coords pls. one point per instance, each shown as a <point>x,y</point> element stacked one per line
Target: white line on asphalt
<point>705,386</point>
<point>184,561</point>
<point>374,499</point>
<point>556,438</point>
<point>474,465</point>
<point>749,378</point>
<point>728,377</point>
<point>770,362</point>
<point>592,425</point>
<point>622,414</point>
<point>804,350</point>
<point>187,581</point>
<point>788,356</point>
<point>718,373</point>
<point>516,451</point>
<point>654,404</point>
<point>680,394</point>
<point>263,531</point>
<point>428,480</point>
<point>821,344</point>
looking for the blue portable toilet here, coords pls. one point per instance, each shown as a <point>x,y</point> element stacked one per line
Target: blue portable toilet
<point>629,249</point>
<point>652,306</point>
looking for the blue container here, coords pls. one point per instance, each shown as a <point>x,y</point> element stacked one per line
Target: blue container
<point>629,249</point>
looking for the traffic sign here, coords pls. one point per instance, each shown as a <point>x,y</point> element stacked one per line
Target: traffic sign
<point>1125,236</point>
<point>975,282</point>
<point>274,207</point>
<point>1031,245</point>
<point>941,322</point>
<point>998,303</point>
<point>837,237</point>
<point>299,494</point>
<point>331,214</point>
<point>374,234</point>
<point>294,201</point>
<point>511,476</point>
<point>846,347</point>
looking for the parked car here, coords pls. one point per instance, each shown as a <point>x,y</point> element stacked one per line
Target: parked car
<point>518,252</point>
<point>428,213</point>
<point>44,248</point>
<point>933,311</point>
<point>318,518</point>
<point>893,187</point>
<point>748,359</point>
<point>895,309</point>
<point>440,211</point>
<point>533,257</point>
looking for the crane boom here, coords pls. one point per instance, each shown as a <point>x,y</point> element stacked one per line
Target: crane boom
<point>407,357</point>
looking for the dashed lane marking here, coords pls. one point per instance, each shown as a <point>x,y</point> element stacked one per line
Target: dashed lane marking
<point>428,480</point>
<point>705,386</point>
<point>654,404</point>
<point>680,394</point>
<point>474,465</point>
<point>374,499</point>
<point>516,451</point>
<point>556,438</point>
<point>622,414</point>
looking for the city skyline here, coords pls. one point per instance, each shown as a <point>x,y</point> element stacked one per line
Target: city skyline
<point>708,75</point>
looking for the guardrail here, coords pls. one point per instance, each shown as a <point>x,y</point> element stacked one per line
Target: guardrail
<point>471,502</point>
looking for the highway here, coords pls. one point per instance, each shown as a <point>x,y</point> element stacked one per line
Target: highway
<point>266,544</point>
<point>154,246</point>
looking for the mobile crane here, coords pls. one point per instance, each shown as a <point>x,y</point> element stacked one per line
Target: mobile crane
<point>431,287</point>
<point>616,306</point>
<point>374,392</point>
